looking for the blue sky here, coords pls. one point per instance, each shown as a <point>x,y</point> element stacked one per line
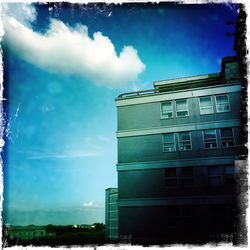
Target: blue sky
<point>64,67</point>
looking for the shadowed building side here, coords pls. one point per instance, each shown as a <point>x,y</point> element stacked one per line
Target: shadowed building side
<point>177,146</point>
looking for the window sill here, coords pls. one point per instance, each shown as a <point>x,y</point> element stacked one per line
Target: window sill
<point>182,116</point>
<point>222,112</point>
<point>211,148</point>
<point>208,113</point>
<point>166,118</point>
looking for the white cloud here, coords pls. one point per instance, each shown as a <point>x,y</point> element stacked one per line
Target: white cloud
<point>65,154</point>
<point>23,12</point>
<point>1,144</point>
<point>88,204</point>
<point>71,51</point>
<point>91,204</point>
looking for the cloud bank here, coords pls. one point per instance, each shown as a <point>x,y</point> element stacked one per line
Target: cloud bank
<point>71,51</point>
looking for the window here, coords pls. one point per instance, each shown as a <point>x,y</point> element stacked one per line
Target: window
<point>206,105</point>
<point>174,216</point>
<point>214,176</point>
<point>222,103</point>
<point>113,198</point>
<point>187,177</point>
<point>181,108</point>
<point>209,138</point>
<point>113,215</point>
<point>171,177</point>
<point>113,206</point>
<point>167,109</point>
<point>168,143</point>
<point>227,138</point>
<point>190,215</point>
<point>185,141</point>
<point>114,223</point>
<point>219,215</point>
<point>229,174</point>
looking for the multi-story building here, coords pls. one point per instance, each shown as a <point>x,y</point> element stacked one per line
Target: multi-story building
<point>177,146</point>
<point>111,214</point>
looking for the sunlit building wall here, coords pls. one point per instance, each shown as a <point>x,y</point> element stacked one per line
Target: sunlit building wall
<point>111,214</point>
<point>177,146</point>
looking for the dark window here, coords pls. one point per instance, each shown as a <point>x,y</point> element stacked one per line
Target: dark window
<point>190,215</point>
<point>210,139</point>
<point>173,216</point>
<point>219,215</point>
<point>187,177</point>
<point>227,138</point>
<point>229,174</point>
<point>214,176</point>
<point>171,177</point>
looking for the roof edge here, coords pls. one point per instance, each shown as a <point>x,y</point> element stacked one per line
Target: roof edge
<point>185,79</point>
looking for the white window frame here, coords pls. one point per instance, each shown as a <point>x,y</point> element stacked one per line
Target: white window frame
<point>216,104</point>
<point>179,141</point>
<point>211,98</point>
<point>176,111</point>
<point>172,110</point>
<point>163,143</point>
<point>210,139</point>
<point>227,137</point>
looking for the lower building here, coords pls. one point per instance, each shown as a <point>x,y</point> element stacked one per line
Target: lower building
<point>111,214</point>
<point>26,232</point>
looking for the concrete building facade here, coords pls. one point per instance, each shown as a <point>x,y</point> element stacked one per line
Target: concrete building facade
<point>111,214</point>
<point>177,146</point>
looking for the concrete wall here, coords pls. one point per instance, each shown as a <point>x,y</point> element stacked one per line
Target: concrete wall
<point>150,148</point>
<point>175,223</point>
<point>148,115</point>
<point>152,183</point>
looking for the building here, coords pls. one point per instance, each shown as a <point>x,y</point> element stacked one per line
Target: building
<point>111,214</point>
<point>26,232</point>
<point>177,146</point>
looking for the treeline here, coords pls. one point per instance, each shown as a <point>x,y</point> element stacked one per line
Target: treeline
<point>63,235</point>
<point>59,230</point>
